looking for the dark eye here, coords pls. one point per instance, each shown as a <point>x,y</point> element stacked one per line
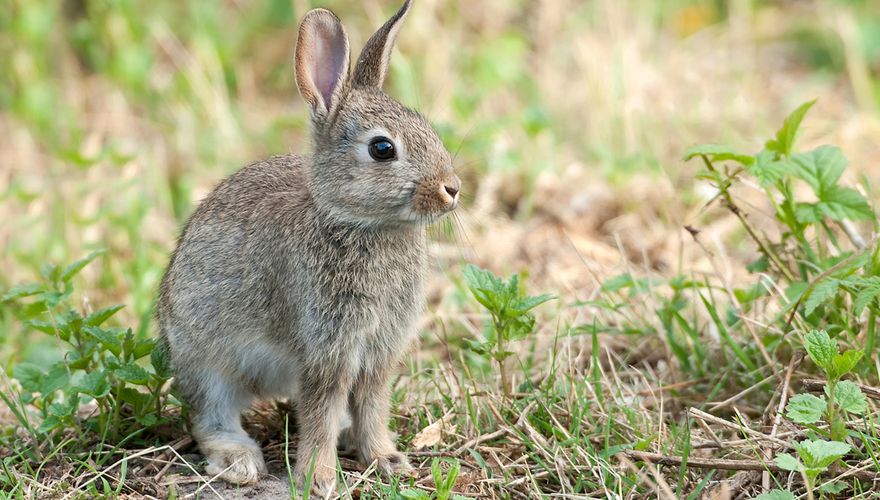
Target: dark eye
<point>382,149</point>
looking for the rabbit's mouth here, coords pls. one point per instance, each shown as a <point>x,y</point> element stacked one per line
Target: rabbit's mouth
<point>433,198</point>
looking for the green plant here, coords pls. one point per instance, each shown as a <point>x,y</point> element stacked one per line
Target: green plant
<point>443,483</point>
<point>509,307</point>
<point>843,396</point>
<point>98,362</point>
<point>829,283</point>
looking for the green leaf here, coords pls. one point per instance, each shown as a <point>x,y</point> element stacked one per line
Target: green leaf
<point>132,373</point>
<point>821,348</point>
<point>526,304</point>
<point>74,268</point>
<point>42,326</point>
<point>850,398</point>
<point>769,170</point>
<point>21,291</point>
<point>97,318</point>
<point>785,137</point>
<point>843,203</point>
<point>819,453</point>
<point>775,494</point>
<point>805,409</point>
<point>841,364</point>
<point>94,384</point>
<point>412,494</point>
<point>160,358</point>
<point>821,168</point>
<point>49,424</point>
<point>57,378</point>
<point>868,290</point>
<point>788,462</point>
<point>109,338</point>
<point>717,152</point>
<point>822,292</point>
<point>834,487</point>
<point>29,375</point>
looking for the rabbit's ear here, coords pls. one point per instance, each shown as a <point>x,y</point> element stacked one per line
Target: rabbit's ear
<point>321,60</point>
<point>373,64</point>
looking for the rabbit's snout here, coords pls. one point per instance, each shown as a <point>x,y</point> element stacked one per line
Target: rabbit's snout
<point>437,196</point>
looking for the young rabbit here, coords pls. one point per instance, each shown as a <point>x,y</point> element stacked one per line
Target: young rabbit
<point>301,276</point>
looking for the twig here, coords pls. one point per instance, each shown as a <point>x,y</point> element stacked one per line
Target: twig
<point>818,385</point>
<point>783,398</point>
<point>751,432</point>
<point>725,464</point>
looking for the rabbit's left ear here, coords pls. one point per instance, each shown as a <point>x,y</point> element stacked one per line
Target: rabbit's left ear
<point>321,60</point>
<point>372,65</point>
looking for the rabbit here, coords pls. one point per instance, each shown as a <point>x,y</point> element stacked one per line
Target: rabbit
<point>301,277</point>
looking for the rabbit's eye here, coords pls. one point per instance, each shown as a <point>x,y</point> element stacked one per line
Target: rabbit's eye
<point>382,149</point>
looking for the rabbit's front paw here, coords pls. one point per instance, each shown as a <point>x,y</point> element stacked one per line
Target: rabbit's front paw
<point>323,485</point>
<point>394,462</point>
<point>237,463</point>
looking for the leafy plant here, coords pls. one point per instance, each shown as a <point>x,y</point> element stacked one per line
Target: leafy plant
<point>509,308</point>
<point>810,255</point>
<point>443,483</point>
<point>815,456</point>
<point>843,395</point>
<point>100,363</point>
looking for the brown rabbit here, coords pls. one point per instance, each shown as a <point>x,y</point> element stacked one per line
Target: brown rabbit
<point>301,276</point>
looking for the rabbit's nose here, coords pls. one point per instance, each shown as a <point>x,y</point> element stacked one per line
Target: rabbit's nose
<point>451,190</point>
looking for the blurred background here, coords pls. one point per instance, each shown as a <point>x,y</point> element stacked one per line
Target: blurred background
<point>568,118</point>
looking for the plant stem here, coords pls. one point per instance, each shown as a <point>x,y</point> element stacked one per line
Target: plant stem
<point>872,332</point>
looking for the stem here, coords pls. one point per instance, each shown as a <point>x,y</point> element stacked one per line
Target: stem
<point>732,206</point>
<point>871,334</point>
<point>500,347</point>
<point>117,404</point>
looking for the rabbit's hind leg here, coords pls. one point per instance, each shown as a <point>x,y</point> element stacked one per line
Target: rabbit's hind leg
<point>232,454</point>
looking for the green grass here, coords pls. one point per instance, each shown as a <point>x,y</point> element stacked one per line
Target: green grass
<point>568,122</point>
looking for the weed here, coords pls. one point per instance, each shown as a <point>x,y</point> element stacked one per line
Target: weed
<point>509,308</point>
<point>100,363</point>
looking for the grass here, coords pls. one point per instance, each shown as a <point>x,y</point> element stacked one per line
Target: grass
<point>569,121</point>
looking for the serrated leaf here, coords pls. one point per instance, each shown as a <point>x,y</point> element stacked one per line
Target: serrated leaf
<point>821,168</point>
<point>769,170</point>
<point>843,203</point>
<point>820,454</point>
<point>868,291</point>
<point>49,424</point>
<point>160,358</point>
<point>20,291</point>
<point>42,326</point>
<point>97,318</point>
<point>844,363</point>
<point>788,462</point>
<point>805,409</point>
<point>94,384</point>
<point>57,377</point>
<point>822,292</point>
<point>785,137</point>
<point>717,152</point>
<point>820,348</point>
<point>850,398</point>
<point>526,304</point>
<point>775,494</point>
<point>834,487</point>
<point>73,269</point>
<point>109,338</point>
<point>29,375</point>
<point>132,373</point>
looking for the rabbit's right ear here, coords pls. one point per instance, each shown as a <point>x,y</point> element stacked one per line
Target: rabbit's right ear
<point>322,56</point>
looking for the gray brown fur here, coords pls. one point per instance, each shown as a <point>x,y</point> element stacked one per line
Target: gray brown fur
<point>301,276</point>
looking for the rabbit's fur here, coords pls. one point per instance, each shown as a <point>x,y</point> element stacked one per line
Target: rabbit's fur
<point>301,276</point>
